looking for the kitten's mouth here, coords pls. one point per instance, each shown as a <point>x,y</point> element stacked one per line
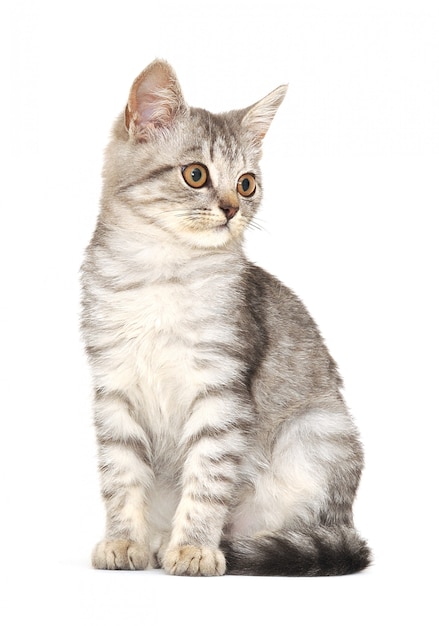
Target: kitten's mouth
<point>222,226</point>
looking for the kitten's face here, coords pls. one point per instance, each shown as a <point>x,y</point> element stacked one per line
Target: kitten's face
<point>200,182</point>
<point>192,174</point>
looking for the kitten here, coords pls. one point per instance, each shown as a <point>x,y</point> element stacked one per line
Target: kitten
<point>224,441</point>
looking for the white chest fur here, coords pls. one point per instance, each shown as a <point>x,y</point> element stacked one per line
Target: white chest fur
<point>166,340</point>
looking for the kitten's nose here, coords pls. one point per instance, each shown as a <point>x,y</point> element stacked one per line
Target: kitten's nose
<point>229,211</point>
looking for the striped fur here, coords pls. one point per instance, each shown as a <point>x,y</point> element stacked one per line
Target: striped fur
<point>224,441</point>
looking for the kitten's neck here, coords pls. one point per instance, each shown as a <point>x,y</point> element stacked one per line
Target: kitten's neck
<point>164,257</point>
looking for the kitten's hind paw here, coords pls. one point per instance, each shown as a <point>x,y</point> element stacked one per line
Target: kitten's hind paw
<point>194,561</point>
<point>120,555</point>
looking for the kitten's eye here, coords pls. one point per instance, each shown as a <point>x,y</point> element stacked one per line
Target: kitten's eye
<point>246,185</point>
<point>195,175</point>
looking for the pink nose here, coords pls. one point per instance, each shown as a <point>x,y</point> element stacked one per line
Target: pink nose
<point>229,211</point>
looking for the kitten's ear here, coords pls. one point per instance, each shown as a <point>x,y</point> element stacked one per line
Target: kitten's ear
<point>259,116</point>
<point>154,101</point>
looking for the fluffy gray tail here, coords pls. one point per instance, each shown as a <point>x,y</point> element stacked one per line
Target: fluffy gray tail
<point>320,551</point>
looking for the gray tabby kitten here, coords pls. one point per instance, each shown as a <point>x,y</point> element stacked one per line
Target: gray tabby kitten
<point>224,441</point>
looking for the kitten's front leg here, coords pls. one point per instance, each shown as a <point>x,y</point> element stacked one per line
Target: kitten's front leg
<point>216,445</point>
<point>126,478</point>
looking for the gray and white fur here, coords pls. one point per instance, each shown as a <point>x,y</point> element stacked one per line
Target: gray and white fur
<point>225,445</point>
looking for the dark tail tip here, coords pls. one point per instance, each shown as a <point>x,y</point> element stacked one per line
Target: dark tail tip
<point>317,552</point>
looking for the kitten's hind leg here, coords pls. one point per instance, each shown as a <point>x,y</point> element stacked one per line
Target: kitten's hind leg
<point>298,521</point>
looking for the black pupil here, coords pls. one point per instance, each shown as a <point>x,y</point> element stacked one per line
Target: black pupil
<point>245,184</point>
<point>196,174</point>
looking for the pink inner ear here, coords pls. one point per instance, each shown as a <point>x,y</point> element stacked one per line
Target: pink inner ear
<point>147,111</point>
<point>152,97</point>
<point>152,81</point>
<point>155,98</point>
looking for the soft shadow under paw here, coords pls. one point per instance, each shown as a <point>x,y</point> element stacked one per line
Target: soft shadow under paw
<point>120,555</point>
<point>194,561</point>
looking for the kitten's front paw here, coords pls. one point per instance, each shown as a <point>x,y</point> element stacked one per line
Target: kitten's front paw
<point>120,555</point>
<point>194,561</point>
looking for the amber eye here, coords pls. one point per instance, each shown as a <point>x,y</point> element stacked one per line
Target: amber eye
<point>246,185</point>
<point>195,175</point>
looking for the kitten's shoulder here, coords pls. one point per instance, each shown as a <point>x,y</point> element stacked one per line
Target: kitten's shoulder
<point>276,306</point>
<point>264,288</point>
<point>288,336</point>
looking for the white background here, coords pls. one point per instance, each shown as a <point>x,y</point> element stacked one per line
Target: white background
<point>351,195</point>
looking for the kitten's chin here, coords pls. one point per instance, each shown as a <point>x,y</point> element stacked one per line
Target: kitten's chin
<point>214,238</point>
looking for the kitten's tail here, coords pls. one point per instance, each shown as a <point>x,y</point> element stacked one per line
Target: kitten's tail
<point>320,551</point>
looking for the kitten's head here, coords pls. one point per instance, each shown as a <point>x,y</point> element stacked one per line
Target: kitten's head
<point>191,173</point>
